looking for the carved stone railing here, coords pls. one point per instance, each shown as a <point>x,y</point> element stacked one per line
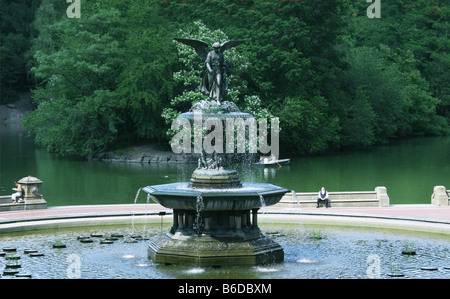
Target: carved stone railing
<point>376,198</point>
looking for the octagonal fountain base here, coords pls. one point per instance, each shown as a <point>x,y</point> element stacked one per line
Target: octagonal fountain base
<point>215,226</point>
<point>210,251</point>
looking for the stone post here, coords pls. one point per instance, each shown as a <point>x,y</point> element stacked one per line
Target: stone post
<point>32,193</point>
<point>255,217</point>
<point>238,221</point>
<point>208,222</point>
<point>175,221</point>
<point>439,196</point>
<point>180,216</point>
<point>383,198</point>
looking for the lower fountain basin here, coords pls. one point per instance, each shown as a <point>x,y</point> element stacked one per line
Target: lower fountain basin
<point>249,196</point>
<point>215,226</point>
<point>212,251</point>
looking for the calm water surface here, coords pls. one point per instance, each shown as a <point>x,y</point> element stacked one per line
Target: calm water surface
<point>409,169</point>
<point>340,253</point>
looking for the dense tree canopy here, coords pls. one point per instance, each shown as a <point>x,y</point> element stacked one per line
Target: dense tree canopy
<point>16,31</point>
<point>335,77</point>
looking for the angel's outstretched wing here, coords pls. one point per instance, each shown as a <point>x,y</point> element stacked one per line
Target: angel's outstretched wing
<point>199,45</point>
<point>230,44</point>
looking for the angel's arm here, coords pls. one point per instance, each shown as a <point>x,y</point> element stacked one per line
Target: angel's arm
<point>208,63</point>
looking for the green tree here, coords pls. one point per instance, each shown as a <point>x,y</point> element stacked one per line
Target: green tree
<point>415,33</point>
<point>16,18</point>
<point>104,78</point>
<point>383,84</point>
<point>77,111</point>
<point>334,77</point>
<point>145,83</point>
<point>396,92</point>
<point>358,121</point>
<point>307,128</point>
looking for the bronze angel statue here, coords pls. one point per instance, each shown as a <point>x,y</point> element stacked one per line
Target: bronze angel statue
<point>214,82</point>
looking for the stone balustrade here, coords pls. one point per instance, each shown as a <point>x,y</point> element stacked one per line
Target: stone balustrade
<point>376,198</point>
<point>31,193</point>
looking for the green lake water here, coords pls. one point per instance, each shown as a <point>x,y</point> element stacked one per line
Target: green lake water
<point>408,168</point>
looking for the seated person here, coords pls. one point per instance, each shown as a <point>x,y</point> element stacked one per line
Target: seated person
<point>17,194</point>
<point>322,196</point>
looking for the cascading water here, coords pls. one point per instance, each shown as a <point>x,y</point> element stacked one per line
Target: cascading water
<point>263,203</point>
<point>134,208</point>
<point>133,214</point>
<point>199,220</point>
<point>294,196</point>
<point>137,195</point>
<point>146,209</point>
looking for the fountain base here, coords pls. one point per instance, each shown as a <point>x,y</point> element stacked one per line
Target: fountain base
<point>215,226</point>
<point>206,250</point>
<point>228,238</point>
<point>213,179</point>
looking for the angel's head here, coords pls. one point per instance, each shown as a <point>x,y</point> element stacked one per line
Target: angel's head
<point>216,46</point>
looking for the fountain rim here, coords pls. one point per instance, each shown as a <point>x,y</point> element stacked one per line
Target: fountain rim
<point>216,192</point>
<point>289,216</point>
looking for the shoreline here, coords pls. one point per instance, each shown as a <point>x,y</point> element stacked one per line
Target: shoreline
<point>13,113</point>
<point>147,153</point>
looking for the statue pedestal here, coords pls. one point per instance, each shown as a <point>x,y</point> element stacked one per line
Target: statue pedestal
<point>32,193</point>
<point>207,178</point>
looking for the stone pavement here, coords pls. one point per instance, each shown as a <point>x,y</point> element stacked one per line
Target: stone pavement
<point>82,211</point>
<point>417,212</point>
<point>424,218</point>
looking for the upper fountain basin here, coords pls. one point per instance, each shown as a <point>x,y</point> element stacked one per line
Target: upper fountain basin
<point>181,196</point>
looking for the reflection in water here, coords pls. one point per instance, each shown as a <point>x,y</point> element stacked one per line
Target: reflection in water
<point>409,169</point>
<point>270,172</point>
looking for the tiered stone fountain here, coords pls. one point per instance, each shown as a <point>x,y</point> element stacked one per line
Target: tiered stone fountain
<point>215,215</point>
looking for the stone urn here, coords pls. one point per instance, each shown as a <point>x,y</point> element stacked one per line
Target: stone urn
<point>31,187</point>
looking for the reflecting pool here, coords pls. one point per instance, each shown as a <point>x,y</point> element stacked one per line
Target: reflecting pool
<point>310,252</point>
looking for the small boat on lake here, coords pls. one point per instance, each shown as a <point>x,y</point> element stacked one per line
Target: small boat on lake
<point>273,162</point>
